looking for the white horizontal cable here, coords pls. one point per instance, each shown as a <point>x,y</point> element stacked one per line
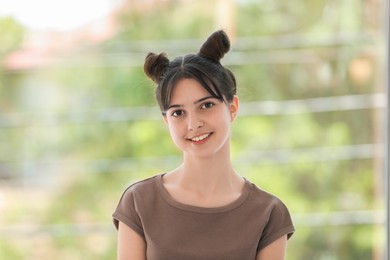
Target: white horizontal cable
<point>341,218</point>
<point>55,230</point>
<point>284,49</point>
<point>235,58</point>
<point>37,170</point>
<point>266,108</point>
<point>284,41</point>
<point>312,154</point>
<point>314,105</point>
<point>316,219</point>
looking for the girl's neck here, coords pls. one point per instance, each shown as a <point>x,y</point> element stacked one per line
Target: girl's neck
<point>207,175</point>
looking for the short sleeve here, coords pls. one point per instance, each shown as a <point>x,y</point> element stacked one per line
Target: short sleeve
<point>278,225</point>
<point>126,212</point>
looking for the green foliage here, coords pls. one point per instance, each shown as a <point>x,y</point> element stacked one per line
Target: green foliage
<point>8,250</point>
<point>11,35</point>
<point>340,242</point>
<point>172,21</point>
<point>277,17</point>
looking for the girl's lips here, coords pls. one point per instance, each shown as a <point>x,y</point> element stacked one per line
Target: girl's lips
<point>200,138</point>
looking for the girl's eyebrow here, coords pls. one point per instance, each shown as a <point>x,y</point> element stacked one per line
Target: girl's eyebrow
<point>195,102</point>
<point>203,99</point>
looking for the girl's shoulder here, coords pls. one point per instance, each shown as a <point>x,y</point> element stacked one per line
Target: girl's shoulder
<point>144,185</point>
<point>263,197</point>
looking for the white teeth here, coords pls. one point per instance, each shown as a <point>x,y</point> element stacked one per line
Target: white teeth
<point>200,138</point>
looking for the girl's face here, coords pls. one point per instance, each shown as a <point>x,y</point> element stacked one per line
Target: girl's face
<point>199,124</point>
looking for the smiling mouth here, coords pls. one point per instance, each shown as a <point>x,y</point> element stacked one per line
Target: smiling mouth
<point>200,137</point>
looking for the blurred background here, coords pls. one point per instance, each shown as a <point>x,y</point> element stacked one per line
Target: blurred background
<point>78,120</point>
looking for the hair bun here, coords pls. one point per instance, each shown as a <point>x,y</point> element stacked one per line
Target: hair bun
<point>155,65</point>
<point>215,46</point>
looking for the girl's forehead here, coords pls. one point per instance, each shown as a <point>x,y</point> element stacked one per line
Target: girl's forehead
<point>187,89</point>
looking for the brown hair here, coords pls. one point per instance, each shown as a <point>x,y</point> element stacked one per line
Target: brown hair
<point>204,67</point>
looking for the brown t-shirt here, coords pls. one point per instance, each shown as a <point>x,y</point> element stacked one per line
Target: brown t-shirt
<point>173,230</point>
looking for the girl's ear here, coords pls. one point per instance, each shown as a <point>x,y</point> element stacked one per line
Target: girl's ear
<point>233,107</point>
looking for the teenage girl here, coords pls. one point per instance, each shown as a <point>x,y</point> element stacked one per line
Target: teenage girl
<point>203,209</point>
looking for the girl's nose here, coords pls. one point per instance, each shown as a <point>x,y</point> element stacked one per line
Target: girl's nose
<point>194,123</point>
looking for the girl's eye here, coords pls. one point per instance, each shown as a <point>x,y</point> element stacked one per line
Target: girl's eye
<point>207,105</point>
<point>177,113</point>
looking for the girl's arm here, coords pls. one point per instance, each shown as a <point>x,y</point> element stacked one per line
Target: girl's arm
<point>274,251</point>
<point>131,246</point>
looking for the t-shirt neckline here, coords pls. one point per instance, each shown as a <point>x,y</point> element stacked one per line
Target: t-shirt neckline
<point>197,209</point>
